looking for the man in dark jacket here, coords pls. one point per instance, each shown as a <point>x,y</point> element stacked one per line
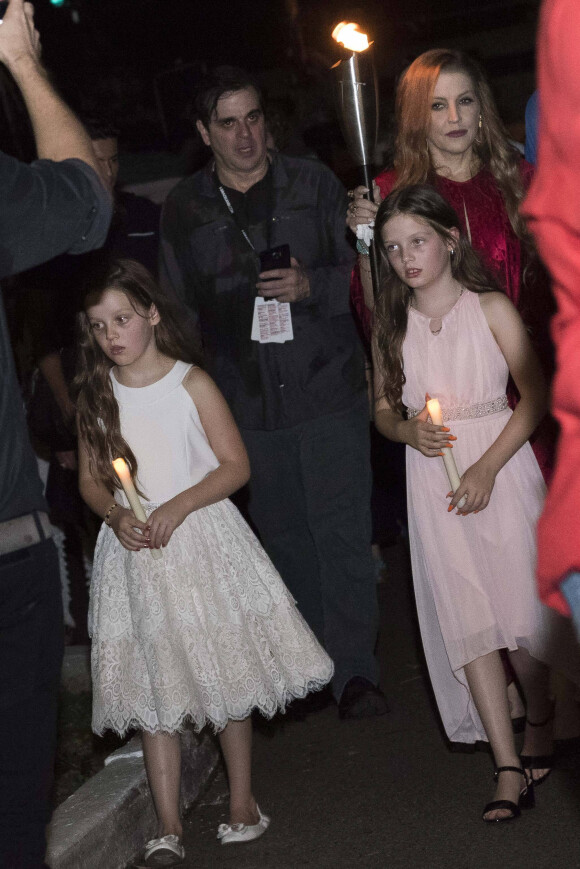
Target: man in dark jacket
<point>283,348</point>
<point>54,205</point>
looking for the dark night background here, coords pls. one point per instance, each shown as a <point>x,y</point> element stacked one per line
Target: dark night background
<point>138,60</point>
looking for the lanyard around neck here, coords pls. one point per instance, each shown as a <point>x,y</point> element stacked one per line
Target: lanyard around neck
<point>270,210</point>
<point>230,208</point>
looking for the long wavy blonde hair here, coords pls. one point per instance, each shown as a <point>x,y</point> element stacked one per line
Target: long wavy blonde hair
<point>492,149</point>
<point>391,312</point>
<point>97,408</point>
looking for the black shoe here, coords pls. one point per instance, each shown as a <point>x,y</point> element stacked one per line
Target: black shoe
<point>361,699</point>
<point>316,701</point>
<point>526,799</point>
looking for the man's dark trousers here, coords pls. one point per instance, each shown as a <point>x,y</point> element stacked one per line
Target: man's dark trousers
<point>310,494</point>
<point>31,648</point>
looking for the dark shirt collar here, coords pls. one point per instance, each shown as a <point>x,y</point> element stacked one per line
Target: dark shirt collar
<point>208,187</point>
<point>258,188</point>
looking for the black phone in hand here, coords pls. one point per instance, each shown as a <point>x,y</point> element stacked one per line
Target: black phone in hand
<point>275,258</point>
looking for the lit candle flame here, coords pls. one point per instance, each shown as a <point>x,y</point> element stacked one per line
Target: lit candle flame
<point>124,475</point>
<point>349,35</point>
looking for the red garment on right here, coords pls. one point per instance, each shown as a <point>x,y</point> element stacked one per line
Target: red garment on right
<point>553,208</point>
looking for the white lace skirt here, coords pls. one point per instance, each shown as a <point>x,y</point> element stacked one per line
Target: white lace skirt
<point>207,633</point>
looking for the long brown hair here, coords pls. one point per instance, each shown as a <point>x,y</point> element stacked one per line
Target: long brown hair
<point>422,202</point>
<point>97,408</point>
<point>493,150</point>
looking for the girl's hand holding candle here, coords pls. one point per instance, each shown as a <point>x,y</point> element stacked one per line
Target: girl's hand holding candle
<point>434,409</point>
<point>124,475</point>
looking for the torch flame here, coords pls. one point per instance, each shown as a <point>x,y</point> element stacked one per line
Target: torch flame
<point>349,35</point>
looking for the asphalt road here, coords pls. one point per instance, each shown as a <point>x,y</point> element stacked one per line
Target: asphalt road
<point>386,792</point>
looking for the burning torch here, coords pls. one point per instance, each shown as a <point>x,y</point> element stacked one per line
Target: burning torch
<point>358,104</point>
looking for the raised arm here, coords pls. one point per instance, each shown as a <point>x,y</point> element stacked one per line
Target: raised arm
<point>59,134</point>
<point>57,204</point>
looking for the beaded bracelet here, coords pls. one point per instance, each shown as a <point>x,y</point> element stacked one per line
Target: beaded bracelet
<point>113,506</point>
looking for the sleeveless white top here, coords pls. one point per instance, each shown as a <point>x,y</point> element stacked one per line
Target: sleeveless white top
<point>162,425</point>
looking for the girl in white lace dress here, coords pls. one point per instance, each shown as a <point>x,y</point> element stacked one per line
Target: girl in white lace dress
<point>441,329</point>
<point>208,632</point>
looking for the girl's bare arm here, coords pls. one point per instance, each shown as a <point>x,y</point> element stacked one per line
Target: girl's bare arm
<point>514,342</point>
<point>122,520</point>
<point>512,338</point>
<point>416,432</point>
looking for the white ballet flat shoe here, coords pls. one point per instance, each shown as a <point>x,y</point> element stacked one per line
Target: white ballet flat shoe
<point>231,834</point>
<point>165,851</point>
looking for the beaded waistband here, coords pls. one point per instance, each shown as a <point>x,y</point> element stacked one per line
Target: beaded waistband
<point>470,411</point>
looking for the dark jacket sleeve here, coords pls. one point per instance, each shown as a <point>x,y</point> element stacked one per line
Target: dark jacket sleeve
<point>47,209</point>
<point>176,281</point>
<point>330,281</point>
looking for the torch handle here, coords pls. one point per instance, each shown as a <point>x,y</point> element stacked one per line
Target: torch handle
<point>374,256</point>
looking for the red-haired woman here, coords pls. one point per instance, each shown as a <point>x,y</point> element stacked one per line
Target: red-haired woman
<point>449,134</point>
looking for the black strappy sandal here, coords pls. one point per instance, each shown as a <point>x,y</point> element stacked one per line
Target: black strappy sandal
<point>539,761</point>
<point>526,799</point>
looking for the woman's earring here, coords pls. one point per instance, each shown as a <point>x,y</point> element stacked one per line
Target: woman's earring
<point>479,135</point>
<point>452,251</point>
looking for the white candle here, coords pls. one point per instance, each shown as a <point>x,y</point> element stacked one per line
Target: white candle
<point>123,473</point>
<point>434,409</point>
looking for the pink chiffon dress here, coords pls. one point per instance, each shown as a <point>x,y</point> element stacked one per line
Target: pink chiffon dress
<point>473,576</point>
<point>483,218</point>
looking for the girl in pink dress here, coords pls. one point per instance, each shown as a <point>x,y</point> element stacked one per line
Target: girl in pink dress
<point>442,329</point>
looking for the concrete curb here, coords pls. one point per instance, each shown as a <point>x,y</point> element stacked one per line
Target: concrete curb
<point>107,821</point>
<point>75,675</point>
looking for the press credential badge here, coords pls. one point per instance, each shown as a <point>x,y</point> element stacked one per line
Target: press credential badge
<point>272,322</point>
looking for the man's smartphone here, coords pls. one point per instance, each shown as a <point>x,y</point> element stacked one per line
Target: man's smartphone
<point>275,258</point>
<point>3,8</point>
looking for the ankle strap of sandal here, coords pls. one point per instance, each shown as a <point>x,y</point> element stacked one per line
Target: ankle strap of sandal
<point>509,769</point>
<point>527,778</point>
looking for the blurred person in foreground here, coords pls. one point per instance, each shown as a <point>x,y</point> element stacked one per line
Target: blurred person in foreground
<point>49,298</point>
<point>552,209</point>
<point>53,205</point>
